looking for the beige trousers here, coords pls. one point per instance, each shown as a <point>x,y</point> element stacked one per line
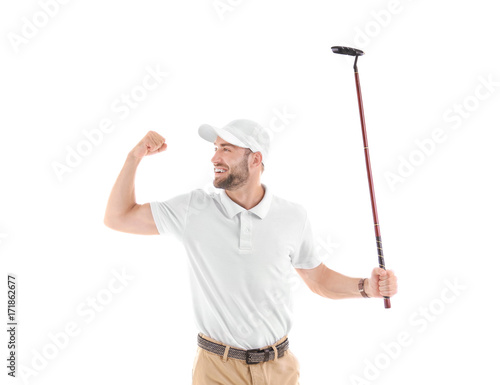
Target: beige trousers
<point>212,369</point>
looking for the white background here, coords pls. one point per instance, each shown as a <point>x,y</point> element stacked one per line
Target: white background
<point>269,61</point>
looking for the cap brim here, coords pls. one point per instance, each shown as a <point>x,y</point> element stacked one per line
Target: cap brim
<point>210,133</point>
<point>207,132</point>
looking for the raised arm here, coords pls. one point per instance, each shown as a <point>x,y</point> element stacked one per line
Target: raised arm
<point>123,213</point>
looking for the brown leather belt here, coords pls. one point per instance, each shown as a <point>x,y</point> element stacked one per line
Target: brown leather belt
<point>252,356</point>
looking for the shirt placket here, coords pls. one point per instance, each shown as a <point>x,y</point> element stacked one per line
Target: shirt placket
<point>246,231</point>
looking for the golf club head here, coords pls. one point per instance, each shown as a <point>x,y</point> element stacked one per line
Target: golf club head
<point>347,51</point>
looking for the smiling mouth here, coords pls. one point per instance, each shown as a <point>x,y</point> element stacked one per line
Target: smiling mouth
<point>219,171</point>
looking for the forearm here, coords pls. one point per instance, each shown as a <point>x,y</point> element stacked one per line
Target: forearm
<point>334,285</point>
<point>122,197</point>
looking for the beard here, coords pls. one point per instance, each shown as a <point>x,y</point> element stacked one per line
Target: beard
<point>234,178</point>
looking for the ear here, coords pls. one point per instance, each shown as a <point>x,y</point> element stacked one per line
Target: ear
<point>257,159</point>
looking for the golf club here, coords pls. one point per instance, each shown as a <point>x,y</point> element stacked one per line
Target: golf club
<point>357,53</point>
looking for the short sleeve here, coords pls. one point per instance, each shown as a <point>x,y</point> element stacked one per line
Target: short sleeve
<point>170,215</point>
<point>305,255</point>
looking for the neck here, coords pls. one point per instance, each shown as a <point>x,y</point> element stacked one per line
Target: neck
<point>247,196</point>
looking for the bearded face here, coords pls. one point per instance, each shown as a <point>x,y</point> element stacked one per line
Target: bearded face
<point>232,176</point>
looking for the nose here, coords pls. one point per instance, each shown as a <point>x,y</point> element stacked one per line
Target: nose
<point>216,158</point>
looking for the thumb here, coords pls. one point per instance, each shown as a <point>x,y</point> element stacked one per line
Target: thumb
<point>379,271</point>
<point>379,274</point>
<point>163,147</point>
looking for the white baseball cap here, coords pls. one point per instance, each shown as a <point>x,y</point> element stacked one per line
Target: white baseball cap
<point>242,133</point>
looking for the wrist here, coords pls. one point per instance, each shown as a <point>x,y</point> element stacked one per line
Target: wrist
<point>369,290</point>
<point>132,158</point>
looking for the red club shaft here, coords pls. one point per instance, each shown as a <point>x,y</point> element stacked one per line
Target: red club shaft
<point>387,300</point>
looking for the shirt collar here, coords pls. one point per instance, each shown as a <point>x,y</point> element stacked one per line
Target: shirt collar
<point>261,210</point>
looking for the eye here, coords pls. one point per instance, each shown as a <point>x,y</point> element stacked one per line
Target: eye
<point>226,149</point>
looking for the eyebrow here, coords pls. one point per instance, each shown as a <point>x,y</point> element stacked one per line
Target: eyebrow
<point>225,145</point>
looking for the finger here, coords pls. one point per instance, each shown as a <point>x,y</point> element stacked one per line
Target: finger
<point>388,275</point>
<point>157,141</point>
<point>157,137</point>
<point>389,281</point>
<point>161,143</point>
<point>384,285</point>
<point>389,292</point>
<point>380,272</point>
<point>392,289</point>
<point>154,142</point>
<point>163,147</point>
<point>150,137</point>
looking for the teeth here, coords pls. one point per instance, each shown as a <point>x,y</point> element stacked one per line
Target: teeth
<point>219,170</point>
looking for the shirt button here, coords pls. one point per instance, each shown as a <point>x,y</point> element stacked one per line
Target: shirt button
<point>247,230</point>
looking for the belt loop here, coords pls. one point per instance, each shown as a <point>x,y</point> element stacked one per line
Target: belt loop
<point>274,346</point>
<point>226,352</point>
<point>275,353</point>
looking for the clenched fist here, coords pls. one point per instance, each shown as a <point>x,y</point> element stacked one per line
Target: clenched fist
<point>152,143</point>
<point>382,283</point>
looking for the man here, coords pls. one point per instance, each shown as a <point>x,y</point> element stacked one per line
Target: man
<point>241,245</point>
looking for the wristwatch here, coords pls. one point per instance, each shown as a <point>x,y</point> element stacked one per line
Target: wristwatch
<point>361,287</point>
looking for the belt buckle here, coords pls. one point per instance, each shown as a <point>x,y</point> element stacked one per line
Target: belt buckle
<point>247,355</point>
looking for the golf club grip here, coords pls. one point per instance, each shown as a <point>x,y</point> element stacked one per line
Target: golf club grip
<point>381,264</point>
<point>387,301</point>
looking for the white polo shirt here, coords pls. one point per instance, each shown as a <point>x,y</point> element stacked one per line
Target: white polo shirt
<point>241,262</point>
